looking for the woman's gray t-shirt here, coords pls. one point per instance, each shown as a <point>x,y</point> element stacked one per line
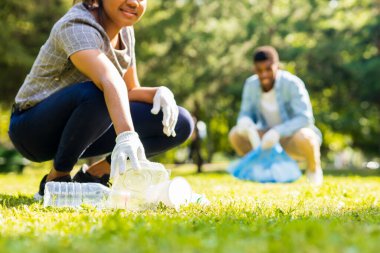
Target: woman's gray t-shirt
<point>52,70</point>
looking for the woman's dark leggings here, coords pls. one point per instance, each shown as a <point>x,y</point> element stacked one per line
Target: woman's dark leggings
<point>74,123</point>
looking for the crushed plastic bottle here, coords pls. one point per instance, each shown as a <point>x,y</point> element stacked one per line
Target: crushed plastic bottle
<point>129,190</point>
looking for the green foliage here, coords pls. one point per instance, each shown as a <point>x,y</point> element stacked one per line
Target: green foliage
<point>341,216</point>
<point>10,159</point>
<point>25,27</point>
<point>202,51</point>
<point>4,124</point>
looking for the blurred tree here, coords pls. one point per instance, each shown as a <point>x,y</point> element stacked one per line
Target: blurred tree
<point>25,27</point>
<point>202,51</point>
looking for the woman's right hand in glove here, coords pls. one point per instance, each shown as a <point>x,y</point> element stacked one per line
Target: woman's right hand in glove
<point>128,145</point>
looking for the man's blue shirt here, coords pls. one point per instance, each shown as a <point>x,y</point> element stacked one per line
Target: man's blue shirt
<point>292,99</point>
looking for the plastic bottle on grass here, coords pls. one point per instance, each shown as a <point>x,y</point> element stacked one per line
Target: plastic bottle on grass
<point>64,194</point>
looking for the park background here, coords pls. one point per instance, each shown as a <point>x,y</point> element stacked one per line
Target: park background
<point>202,50</point>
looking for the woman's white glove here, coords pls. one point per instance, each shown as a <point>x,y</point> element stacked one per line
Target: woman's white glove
<point>270,138</point>
<point>164,98</point>
<point>246,127</point>
<point>128,145</point>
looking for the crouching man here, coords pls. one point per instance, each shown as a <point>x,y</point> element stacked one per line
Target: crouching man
<point>276,108</point>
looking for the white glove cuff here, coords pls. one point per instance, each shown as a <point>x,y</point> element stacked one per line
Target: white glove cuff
<point>126,136</point>
<point>163,89</point>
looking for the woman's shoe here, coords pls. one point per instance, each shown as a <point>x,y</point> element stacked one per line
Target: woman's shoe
<point>83,176</point>
<point>40,194</point>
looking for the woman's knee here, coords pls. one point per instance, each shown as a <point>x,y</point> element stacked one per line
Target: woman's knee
<point>185,124</point>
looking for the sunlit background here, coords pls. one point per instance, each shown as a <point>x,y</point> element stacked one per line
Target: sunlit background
<point>202,50</point>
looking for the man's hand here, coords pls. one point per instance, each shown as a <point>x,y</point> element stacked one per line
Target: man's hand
<point>128,145</point>
<point>270,138</point>
<point>164,99</point>
<point>245,123</point>
<point>247,127</point>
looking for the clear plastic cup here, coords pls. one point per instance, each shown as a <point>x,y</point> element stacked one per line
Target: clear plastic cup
<point>172,193</point>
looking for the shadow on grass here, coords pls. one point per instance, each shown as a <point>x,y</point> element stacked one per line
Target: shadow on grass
<point>16,200</point>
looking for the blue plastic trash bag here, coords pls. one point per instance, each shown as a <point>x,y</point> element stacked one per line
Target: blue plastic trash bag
<point>266,166</point>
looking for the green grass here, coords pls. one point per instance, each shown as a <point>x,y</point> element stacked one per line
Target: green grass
<point>341,216</point>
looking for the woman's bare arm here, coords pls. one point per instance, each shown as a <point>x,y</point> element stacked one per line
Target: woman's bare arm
<point>95,64</point>
<point>135,91</point>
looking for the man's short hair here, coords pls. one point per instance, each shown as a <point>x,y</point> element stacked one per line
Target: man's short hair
<point>265,53</point>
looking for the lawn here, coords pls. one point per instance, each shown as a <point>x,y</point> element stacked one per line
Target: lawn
<point>341,216</point>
